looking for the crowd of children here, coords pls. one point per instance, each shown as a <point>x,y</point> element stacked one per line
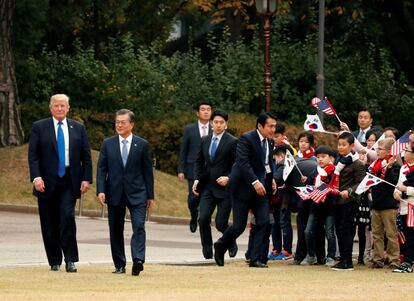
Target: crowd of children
<point>326,228</point>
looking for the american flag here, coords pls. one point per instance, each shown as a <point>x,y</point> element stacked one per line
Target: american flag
<point>410,215</point>
<point>319,193</point>
<point>323,105</point>
<point>400,228</point>
<point>401,144</point>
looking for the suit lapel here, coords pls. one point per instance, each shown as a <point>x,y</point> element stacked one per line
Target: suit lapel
<point>70,133</point>
<point>117,149</point>
<point>259,146</point>
<point>132,150</point>
<point>206,150</point>
<point>52,135</point>
<point>221,145</point>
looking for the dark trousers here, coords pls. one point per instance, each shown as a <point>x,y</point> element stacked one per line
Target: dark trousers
<point>344,224</point>
<point>193,201</point>
<point>116,220</point>
<point>320,225</point>
<point>57,221</point>
<point>260,209</point>
<point>208,204</point>
<point>408,247</point>
<point>282,234</point>
<point>301,223</point>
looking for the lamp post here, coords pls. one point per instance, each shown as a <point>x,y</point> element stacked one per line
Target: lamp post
<point>266,8</point>
<point>320,77</point>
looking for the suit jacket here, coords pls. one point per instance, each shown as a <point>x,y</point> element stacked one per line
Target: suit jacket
<point>44,158</point>
<point>249,166</point>
<point>135,180</point>
<point>189,149</point>
<point>207,171</point>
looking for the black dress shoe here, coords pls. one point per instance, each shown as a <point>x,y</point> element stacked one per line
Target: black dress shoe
<point>233,250</point>
<point>55,267</point>
<point>120,270</point>
<point>193,224</point>
<point>70,267</point>
<point>219,254</point>
<point>208,253</point>
<point>258,264</point>
<point>137,267</point>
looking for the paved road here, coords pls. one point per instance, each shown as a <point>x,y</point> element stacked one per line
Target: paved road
<point>21,242</point>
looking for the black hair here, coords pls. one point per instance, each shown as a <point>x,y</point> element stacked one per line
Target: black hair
<point>364,109</point>
<point>373,131</point>
<point>348,137</point>
<point>393,130</point>
<point>262,118</point>
<point>325,149</point>
<point>280,128</point>
<point>201,103</point>
<point>308,136</point>
<point>281,149</point>
<point>130,114</point>
<point>220,113</point>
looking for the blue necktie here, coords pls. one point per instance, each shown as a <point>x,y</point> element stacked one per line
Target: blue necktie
<point>124,153</point>
<point>213,148</point>
<point>61,150</point>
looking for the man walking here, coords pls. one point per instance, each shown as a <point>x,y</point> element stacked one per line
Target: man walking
<point>251,184</point>
<point>125,179</point>
<point>188,155</point>
<point>211,173</point>
<point>61,170</point>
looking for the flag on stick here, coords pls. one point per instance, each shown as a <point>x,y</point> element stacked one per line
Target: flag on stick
<point>369,181</point>
<point>289,165</point>
<point>401,144</point>
<point>324,105</point>
<point>304,191</point>
<point>313,123</point>
<point>319,193</point>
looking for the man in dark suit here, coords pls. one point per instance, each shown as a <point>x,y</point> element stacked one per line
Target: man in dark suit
<point>251,183</point>
<point>364,123</point>
<point>125,178</point>
<point>60,169</point>
<point>211,173</point>
<point>188,155</point>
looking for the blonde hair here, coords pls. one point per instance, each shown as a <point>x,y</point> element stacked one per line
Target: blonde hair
<point>55,97</point>
<point>386,142</point>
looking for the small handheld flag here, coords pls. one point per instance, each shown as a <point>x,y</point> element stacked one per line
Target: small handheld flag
<point>401,144</point>
<point>313,123</point>
<point>289,165</point>
<point>324,105</point>
<point>367,183</point>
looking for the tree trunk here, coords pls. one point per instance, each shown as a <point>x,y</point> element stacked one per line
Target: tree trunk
<point>11,132</point>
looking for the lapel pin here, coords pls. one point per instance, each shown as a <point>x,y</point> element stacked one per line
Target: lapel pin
<point>135,145</point>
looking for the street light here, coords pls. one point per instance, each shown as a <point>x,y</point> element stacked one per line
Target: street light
<point>266,8</point>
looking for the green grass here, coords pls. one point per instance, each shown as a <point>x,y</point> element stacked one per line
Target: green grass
<point>16,188</point>
<point>234,281</point>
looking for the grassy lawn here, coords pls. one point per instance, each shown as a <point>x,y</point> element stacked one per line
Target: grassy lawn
<point>15,186</point>
<point>233,282</point>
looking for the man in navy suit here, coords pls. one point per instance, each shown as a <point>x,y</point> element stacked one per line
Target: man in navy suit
<point>251,183</point>
<point>60,169</point>
<point>211,173</point>
<point>125,178</point>
<point>188,155</point>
